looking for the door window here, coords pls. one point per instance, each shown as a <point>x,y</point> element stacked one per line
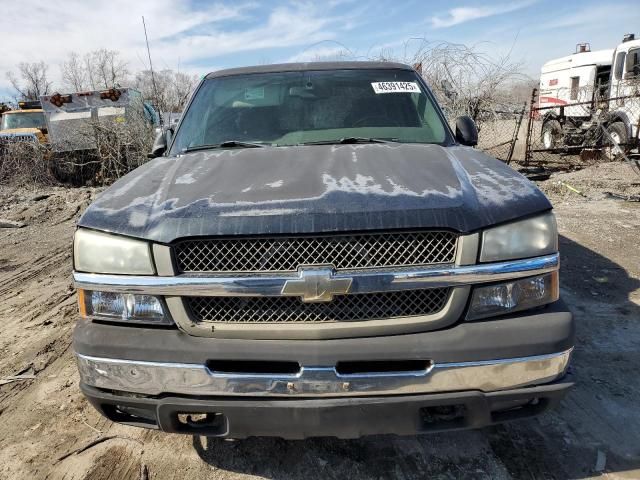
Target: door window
<point>633,64</point>
<point>619,70</point>
<point>575,86</point>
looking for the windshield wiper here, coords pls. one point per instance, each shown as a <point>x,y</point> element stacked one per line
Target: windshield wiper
<point>349,140</point>
<point>226,144</point>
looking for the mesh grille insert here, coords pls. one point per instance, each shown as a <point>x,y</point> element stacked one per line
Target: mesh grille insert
<point>357,307</point>
<point>369,250</point>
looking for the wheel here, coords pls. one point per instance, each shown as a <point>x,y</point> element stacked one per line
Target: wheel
<point>551,134</point>
<point>615,143</point>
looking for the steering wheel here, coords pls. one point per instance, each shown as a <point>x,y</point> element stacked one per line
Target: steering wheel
<point>392,121</point>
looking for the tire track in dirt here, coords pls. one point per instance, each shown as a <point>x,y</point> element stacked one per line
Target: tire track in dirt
<point>32,269</point>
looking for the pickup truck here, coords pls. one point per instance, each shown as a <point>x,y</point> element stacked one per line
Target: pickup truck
<point>314,252</point>
<point>26,124</point>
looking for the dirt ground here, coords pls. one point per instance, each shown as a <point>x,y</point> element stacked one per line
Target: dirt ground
<point>595,433</point>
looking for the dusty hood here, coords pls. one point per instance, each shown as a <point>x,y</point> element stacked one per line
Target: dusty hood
<point>314,189</point>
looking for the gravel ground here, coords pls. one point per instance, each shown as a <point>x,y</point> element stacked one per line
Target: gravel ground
<point>593,434</point>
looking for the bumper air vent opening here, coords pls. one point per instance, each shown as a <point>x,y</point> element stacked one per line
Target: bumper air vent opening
<point>386,366</point>
<point>248,367</point>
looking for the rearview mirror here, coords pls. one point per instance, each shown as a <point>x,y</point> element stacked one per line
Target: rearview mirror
<point>466,131</point>
<point>161,143</point>
<point>302,92</point>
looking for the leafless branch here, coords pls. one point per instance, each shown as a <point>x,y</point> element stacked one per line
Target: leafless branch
<point>31,80</point>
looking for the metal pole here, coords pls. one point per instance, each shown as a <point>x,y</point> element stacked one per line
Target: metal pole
<point>153,78</point>
<point>515,134</point>
<point>527,155</point>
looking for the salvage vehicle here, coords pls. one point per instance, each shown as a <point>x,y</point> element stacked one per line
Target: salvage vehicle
<point>72,118</point>
<point>314,252</point>
<point>81,123</point>
<point>26,124</point>
<point>592,91</point>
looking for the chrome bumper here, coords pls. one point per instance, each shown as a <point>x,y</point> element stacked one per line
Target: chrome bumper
<point>154,378</point>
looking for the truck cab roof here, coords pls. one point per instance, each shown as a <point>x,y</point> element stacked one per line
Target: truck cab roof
<point>597,58</point>
<point>306,66</point>
<point>628,45</point>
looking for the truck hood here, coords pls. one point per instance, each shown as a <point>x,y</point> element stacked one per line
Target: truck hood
<point>321,188</point>
<point>19,131</point>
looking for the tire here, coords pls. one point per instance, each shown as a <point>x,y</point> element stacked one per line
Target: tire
<point>551,135</point>
<point>618,132</point>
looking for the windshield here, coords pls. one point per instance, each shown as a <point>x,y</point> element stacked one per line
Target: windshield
<point>22,120</point>
<point>292,108</point>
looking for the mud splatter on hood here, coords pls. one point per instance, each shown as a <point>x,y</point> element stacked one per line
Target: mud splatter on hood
<point>314,189</point>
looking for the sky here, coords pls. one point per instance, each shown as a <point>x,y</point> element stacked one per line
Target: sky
<point>199,36</point>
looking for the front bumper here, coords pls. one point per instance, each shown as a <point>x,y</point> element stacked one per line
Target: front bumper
<point>477,373</point>
<point>332,417</point>
<point>157,378</point>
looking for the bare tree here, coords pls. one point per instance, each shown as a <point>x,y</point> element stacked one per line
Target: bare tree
<point>106,69</point>
<point>31,81</point>
<point>171,89</point>
<point>466,80</point>
<point>183,85</point>
<point>158,93</point>
<point>99,69</point>
<point>74,73</point>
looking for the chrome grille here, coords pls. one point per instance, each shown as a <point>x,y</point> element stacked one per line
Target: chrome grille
<point>351,251</point>
<point>18,137</point>
<point>13,139</point>
<point>344,308</point>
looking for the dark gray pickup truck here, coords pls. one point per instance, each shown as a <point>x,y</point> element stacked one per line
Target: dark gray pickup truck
<point>315,253</point>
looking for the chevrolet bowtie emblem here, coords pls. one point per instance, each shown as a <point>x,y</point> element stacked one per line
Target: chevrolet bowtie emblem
<point>316,284</point>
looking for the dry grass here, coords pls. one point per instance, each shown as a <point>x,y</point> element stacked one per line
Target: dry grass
<point>24,163</point>
<point>118,149</point>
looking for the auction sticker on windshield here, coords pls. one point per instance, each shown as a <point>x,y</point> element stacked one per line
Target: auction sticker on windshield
<point>395,87</point>
<point>254,93</point>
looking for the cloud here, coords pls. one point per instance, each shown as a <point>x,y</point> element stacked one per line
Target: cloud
<point>458,15</point>
<point>585,18</point>
<point>41,30</point>
<point>181,32</point>
<point>284,27</point>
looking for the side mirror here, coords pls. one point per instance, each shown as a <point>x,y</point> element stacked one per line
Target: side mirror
<point>160,144</point>
<point>466,131</point>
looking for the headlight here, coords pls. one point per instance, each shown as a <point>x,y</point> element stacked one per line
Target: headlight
<point>514,296</point>
<point>522,239</point>
<point>96,252</point>
<point>122,307</point>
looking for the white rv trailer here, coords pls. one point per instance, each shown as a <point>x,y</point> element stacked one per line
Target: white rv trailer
<point>580,94</point>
